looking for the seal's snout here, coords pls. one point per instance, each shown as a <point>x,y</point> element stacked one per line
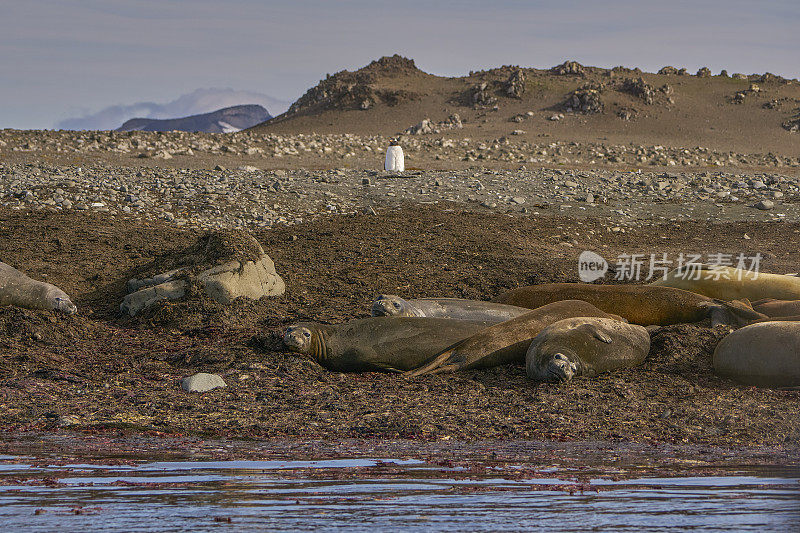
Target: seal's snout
<point>66,306</point>
<point>297,339</point>
<point>560,368</point>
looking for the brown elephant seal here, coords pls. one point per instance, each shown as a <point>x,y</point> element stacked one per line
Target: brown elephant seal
<point>18,289</point>
<point>728,283</point>
<point>787,318</point>
<point>777,308</point>
<point>644,305</point>
<point>455,308</point>
<point>585,347</point>
<point>764,355</point>
<point>507,341</point>
<point>385,344</point>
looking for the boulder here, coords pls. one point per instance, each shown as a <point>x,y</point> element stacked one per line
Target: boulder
<point>226,265</point>
<point>202,382</point>
<point>251,279</point>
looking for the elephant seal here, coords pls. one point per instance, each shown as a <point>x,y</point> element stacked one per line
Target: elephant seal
<point>777,308</point>
<point>18,289</point>
<point>507,341</point>
<point>455,308</point>
<point>645,305</point>
<point>786,318</point>
<point>764,355</point>
<point>585,347</point>
<point>728,283</point>
<point>387,344</point>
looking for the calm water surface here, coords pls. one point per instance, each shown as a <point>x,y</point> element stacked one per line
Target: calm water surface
<point>380,495</point>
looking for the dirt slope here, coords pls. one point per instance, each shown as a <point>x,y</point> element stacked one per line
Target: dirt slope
<point>753,113</point>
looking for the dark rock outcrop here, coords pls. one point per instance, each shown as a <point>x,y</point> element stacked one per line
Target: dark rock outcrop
<point>357,90</point>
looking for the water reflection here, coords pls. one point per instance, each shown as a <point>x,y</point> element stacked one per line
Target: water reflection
<point>381,494</point>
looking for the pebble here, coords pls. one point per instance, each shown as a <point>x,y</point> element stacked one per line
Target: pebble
<point>765,205</point>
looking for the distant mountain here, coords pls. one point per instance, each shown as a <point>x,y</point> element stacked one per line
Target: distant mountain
<point>194,103</point>
<point>226,120</point>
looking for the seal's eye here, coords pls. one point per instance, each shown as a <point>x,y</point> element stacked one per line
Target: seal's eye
<point>396,305</point>
<point>307,334</point>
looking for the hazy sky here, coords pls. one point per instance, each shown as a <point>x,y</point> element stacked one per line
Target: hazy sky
<point>65,58</point>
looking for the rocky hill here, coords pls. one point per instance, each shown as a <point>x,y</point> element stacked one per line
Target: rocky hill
<point>568,102</point>
<point>227,120</point>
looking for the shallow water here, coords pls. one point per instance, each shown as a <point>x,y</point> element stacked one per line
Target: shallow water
<point>375,494</point>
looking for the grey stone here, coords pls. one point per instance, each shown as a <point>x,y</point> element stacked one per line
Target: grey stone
<point>202,382</point>
<point>765,205</point>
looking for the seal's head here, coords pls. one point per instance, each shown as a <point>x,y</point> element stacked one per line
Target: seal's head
<point>559,368</point>
<point>298,339</point>
<point>390,305</point>
<point>64,305</point>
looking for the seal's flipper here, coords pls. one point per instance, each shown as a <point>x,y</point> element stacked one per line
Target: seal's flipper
<point>438,364</point>
<point>385,367</point>
<point>595,332</point>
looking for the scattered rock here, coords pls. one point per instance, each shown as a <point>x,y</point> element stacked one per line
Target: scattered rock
<point>639,88</point>
<point>479,95</point>
<point>672,71</point>
<point>427,127</point>
<point>515,85</point>
<point>585,99</point>
<point>569,68</point>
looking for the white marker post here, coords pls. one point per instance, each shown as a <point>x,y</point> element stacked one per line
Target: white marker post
<point>395,162</point>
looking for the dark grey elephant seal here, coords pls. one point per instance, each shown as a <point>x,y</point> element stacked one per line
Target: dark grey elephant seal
<point>765,355</point>
<point>455,308</point>
<point>386,344</point>
<point>18,289</point>
<point>585,347</point>
<point>507,341</point>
